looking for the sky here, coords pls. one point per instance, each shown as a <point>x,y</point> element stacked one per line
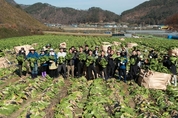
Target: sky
<point>116,6</point>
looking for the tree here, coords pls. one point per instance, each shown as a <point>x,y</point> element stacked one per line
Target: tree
<point>172,21</point>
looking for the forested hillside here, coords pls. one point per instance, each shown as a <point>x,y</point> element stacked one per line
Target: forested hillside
<point>151,12</point>
<point>51,14</point>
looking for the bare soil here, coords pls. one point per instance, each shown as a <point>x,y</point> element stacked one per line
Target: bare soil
<point>131,101</point>
<point>50,111</point>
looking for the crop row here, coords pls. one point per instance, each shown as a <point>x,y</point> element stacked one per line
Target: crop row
<point>159,43</point>
<point>94,98</point>
<point>155,103</point>
<point>15,95</point>
<point>37,107</point>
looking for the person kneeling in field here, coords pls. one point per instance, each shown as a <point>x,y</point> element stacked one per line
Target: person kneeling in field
<point>32,57</point>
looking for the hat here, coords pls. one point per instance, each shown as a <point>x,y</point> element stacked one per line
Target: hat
<point>51,49</point>
<point>32,48</point>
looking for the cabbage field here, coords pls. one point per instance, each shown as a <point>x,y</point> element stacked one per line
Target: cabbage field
<point>77,97</point>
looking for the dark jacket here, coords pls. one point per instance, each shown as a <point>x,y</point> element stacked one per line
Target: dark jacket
<point>117,61</point>
<point>21,54</point>
<point>86,52</point>
<point>35,55</point>
<point>111,61</point>
<point>99,59</point>
<point>166,62</point>
<point>95,52</point>
<point>173,67</point>
<point>135,57</point>
<point>124,53</point>
<point>152,55</point>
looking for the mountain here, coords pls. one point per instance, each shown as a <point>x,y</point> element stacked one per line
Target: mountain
<point>151,12</point>
<point>15,22</point>
<point>47,13</point>
<point>12,2</point>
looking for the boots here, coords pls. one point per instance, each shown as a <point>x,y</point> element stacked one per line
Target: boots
<point>43,74</point>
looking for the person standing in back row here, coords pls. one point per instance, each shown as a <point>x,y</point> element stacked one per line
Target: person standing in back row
<point>123,51</point>
<point>96,54</point>
<point>152,54</point>
<point>86,51</point>
<point>96,51</point>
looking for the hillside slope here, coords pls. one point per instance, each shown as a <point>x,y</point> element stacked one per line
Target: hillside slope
<point>11,2</point>
<point>151,12</point>
<point>47,13</point>
<point>15,22</point>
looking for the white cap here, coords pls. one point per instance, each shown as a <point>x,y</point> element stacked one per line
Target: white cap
<point>51,49</point>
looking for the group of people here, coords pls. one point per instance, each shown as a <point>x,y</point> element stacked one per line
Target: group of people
<point>90,63</point>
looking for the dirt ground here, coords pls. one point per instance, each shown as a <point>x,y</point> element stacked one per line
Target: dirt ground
<point>50,111</point>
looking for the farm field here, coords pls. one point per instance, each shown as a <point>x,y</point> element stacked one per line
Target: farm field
<point>77,97</point>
